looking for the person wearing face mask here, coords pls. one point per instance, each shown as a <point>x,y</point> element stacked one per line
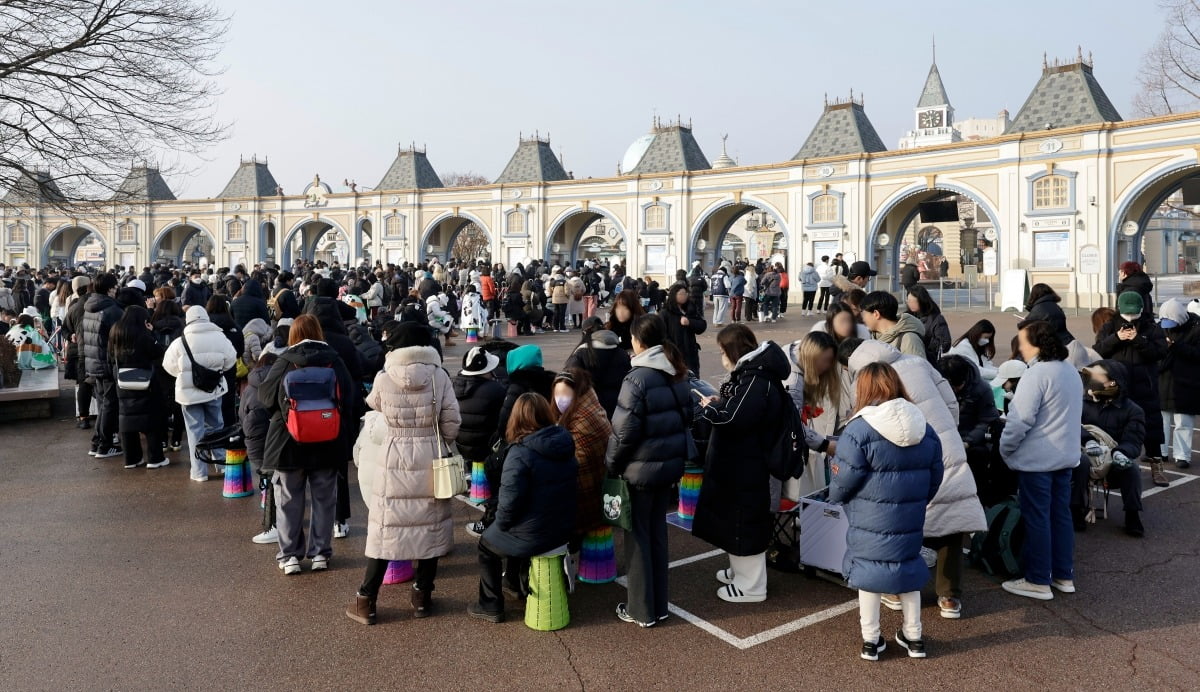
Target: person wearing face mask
<point>1004,384</point>
<point>978,347</point>
<point>1179,380</point>
<point>196,292</point>
<point>580,412</point>
<point>1133,339</point>
<point>1106,407</point>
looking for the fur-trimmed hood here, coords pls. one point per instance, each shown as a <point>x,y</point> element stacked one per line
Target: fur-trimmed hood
<point>412,367</point>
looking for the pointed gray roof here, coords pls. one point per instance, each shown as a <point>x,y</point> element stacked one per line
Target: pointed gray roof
<point>1065,96</point>
<point>934,93</point>
<point>672,149</point>
<point>252,179</point>
<point>143,184</point>
<point>844,128</point>
<point>31,189</point>
<point>410,171</point>
<point>533,161</point>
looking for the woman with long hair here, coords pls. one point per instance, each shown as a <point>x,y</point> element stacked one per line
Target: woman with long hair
<point>734,509</point>
<point>627,307</point>
<point>311,467</point>
<point>684,325</point>
<point>842,322</point>
<point>650,444</point>
<point>821,391</point>
<point>937,332</point>
<point>167,321</point>
<point>1043,306</point>
<point>978,347</point>
<point>405,521</point>
<point>537,500</point>
<point>131,345</point>
<point>888,466</point>
<point>582,415</point>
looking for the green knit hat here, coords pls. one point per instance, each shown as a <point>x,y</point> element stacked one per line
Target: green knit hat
<point>522,357</point>
<point>1130,303</point>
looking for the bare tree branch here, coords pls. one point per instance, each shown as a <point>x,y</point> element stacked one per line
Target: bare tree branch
<point>89,88</point>
<point>467,179</point>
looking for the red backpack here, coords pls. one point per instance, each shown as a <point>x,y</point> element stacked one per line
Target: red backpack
<point>313,397</point>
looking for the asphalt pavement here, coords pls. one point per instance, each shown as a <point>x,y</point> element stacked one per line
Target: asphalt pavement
<point>140,579</point>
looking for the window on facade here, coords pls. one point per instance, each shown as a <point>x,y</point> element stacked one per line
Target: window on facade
<point>16,233</point>
<point>656,217</point>
<point>825,209</point>
<point>125,233</point>
<point>393,226</point>
<point>237,230</point>
<point>516,222</point>
<point>1051,192</point>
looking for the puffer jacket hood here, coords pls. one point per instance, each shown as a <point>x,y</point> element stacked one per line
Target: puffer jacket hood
<point>252,289</point>
<point>652,357</point>
<point>1117,372</point>
<point>907,323</point>
<point>196,314</point>
<point>410,379</point>
<point>552,442</point>
<point>872,352</point>
<point>898,420</point>
<point>327,313</point>
<point>767,358</point>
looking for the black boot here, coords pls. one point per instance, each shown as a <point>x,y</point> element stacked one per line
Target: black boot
<point>1133,524</point>
<point>422,603</point>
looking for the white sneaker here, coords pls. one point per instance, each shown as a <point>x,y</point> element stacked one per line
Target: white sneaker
<point>290,565</point>
<point>1064,585</point>
<point>159,465</point>
<point>725,576</point>
<point>320,563</point>
<point>1020,587</point>
<point>733,594</point>
<point>271,535</point>
<point>341,529</point>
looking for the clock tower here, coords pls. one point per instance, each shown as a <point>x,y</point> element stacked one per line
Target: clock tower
<point>934,116</point>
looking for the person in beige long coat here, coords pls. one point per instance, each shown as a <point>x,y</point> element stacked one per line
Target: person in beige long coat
<point>405,522</point>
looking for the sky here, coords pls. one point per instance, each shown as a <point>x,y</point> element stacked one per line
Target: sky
<point>332,88</point>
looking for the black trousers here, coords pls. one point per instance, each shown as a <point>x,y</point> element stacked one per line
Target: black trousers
<point>106,404</point>
<point>83,398</point>
<point>266,490</point>
<point>783,300</point>
<point>823,298</point>
<point>425,573</point>
<point>496,568</point>
<point>132,443</point>
<point>343,493</point>
<point>1129,481</point>
<point>646,554</point>
<point>808,300</point>
<point>175,436</point>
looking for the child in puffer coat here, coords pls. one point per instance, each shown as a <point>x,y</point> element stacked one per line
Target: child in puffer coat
<point>255,419</point>
<point>257,335</point>
<point>887,467</point>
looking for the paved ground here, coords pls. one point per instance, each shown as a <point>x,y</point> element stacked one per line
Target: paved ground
<point>140,579</point>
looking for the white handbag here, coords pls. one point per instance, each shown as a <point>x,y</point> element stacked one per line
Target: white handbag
<point>448,476</point>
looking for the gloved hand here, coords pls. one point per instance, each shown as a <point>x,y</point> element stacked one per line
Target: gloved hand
<point>1093,449</point>
<point>1121,461</point>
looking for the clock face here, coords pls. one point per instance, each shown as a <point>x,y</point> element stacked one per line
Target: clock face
<point>931,119</point>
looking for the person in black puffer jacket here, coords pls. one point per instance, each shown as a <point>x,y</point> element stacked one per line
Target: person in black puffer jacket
<point>168,322</point>
<point>1043,306</point>
<point>536,510</point>
<point>480,398</point>
<point>132,345</point>
<point>1133,278</point>
<point>650,445</point>
<point>599,354</point>
<point>75,369</point>
<point>100,313</point>
<point>976,402</point>
<point>684,325</point>
<point>249,304</point>
<point>370,350</point>
<point>1106,406</point>
<point>1179,379</point>
<point>734,509</point>
<point>256,420</point>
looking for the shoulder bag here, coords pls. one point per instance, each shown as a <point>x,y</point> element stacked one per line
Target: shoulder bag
<point>449,479</point>
<point>204,379</point>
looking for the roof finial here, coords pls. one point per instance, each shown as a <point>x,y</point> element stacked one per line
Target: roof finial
<point>1044,63</point>
<point>723,138</point>
<point>1079,53</point>
<point>934,49</point>
<point>826,99</point>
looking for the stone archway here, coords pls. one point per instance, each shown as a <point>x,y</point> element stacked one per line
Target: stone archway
<point>316,240</point>
<point>1147,209</point>
<point>587,234</point>
<point>961,242</point>
<point>711,237</point>
<point>439,238</point>
<point>184,242</point>
<point>74,244</point>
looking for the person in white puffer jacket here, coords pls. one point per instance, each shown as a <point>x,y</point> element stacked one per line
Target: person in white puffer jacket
<point>955,509</point>
<point>201,409</point>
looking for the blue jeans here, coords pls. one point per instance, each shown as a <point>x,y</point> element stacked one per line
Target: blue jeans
<point>1049,550</point>
<point>201,419</point>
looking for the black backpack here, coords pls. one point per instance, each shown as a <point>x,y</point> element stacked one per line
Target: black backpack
<point>787,458</point>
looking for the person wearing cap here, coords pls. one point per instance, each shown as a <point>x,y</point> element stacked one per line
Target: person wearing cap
<point>600,355</point>
<point>480,398</point>
<point>1105,407</point>
<point>860,274</point>
<point>1132,338</point>
<point>1004,384</point>
<point>1179,381</point>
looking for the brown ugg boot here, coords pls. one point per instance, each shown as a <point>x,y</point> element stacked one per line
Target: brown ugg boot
<point>362,609</point>
<point>422,603</point>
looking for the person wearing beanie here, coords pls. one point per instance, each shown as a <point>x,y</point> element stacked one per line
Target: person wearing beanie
<point>1132,338</point>
<point>404,520</point>
<point>1179,381</point>
<point>202,343</point>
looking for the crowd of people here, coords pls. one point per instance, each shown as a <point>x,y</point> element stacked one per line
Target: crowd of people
<point>915,432</point>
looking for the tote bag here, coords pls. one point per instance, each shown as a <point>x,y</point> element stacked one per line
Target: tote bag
<point>448,476</point>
